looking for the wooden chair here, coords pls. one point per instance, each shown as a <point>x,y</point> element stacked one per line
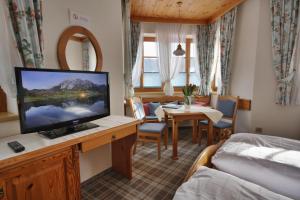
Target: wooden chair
<point>228,105</point>
<point>148,132</point>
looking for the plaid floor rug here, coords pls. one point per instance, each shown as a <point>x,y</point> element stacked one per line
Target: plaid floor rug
<point>152,178</point>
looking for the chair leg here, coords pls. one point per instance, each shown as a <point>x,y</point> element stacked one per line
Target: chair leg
<point>134,147</point>
<point>220,135</point>
<point>142,143</point>
<point>216,132</point>
<point>158,149</point>
<point>233,129</point>
<point>166,138</point>
<point>199,134</point>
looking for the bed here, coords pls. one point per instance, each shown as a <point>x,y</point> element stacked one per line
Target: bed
<point>272,163</point>
<point>208,184</point>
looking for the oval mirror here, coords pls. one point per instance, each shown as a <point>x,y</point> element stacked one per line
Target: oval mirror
<point>78,49</point>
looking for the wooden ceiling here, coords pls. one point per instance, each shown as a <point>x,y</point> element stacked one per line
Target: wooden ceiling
<point>192,11</point>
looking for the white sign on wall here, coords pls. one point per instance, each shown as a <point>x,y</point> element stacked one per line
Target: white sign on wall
<point>79,19</point>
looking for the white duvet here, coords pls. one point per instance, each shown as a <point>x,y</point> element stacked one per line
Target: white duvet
<point>269,161</point>
<point>210,184</point>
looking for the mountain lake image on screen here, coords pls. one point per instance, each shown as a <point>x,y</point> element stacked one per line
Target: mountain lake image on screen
<point>54,97</point>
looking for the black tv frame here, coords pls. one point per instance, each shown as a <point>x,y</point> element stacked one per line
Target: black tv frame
<point>67,124</point>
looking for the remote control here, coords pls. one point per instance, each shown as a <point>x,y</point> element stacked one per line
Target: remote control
<point>16,146</point>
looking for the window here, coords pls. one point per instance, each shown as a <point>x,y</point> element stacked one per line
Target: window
<point>194,76</point>
<point>150,77</point>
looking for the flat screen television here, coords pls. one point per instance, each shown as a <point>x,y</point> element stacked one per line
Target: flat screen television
<point>57,102</point>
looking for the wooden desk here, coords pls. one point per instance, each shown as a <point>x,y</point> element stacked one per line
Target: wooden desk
<point>49,169</point>
<point>193,114</point>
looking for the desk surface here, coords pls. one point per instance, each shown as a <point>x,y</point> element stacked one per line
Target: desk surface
<point>36,144</point>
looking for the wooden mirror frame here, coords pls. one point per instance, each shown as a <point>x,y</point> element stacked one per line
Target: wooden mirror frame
<point>63,41</point>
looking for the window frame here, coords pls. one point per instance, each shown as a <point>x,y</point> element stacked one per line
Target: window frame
<point>187,68</point>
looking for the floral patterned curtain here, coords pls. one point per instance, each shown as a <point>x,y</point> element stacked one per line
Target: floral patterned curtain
<point>227,29</point>
<point>135,36</point>
<point>284,16</point>
<point>127,48</point>
<point>137,43</point>
<point>206,36</point>
<point>26,19</point>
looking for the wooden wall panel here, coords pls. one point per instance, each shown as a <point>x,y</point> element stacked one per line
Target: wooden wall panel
<point>3,105</point>
<point>244,104</point>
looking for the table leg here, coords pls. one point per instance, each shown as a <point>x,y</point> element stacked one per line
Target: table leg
<point>195,131</point>
<point>166,118</point>
<point>210,133</point>
<point>175,139</point>
<point>122,150</point>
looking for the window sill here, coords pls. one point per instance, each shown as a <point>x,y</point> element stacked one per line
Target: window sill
<point>5,117</point>
<point>151,94</point>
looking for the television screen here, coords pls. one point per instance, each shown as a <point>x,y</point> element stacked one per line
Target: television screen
<point>49,99</point>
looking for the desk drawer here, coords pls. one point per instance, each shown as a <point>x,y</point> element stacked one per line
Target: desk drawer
<point>123,133</point>
<point>96,142</point>
<point>107,138</point>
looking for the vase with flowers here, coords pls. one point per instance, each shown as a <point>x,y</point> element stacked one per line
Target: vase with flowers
<point>188,91</point>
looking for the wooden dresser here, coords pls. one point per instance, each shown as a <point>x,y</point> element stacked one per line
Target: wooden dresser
<point>49,169</point>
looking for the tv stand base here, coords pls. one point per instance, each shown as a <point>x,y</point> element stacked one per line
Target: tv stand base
<point>55,133</point>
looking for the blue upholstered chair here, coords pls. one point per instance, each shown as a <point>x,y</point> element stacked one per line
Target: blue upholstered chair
<point>228,105</point>
<point>148,132</point>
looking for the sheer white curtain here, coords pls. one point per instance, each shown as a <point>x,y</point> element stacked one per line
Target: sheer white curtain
<point>137,68</point>
<point>9,54</point>
<point>167,34</point>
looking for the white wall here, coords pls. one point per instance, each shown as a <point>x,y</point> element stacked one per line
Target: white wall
<point>244,57</point>
<point>106,25</point>
<point>253,76</point>
<point>274,119</point>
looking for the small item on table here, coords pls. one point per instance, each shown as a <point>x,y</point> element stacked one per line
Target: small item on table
<point>16,146</point>
<point>171,106</point>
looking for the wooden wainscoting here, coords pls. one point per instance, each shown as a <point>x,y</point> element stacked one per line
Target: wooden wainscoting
<point>3,103</point>
<point>244,104</point>
<point>53,176</point>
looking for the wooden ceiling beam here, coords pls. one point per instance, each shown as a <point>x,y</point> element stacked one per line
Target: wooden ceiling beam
<point>193,11</point>
<point>168,20</point>
<point>226,8</point>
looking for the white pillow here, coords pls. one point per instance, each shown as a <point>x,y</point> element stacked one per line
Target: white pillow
<point>209,184</point>
<point>272,162</point>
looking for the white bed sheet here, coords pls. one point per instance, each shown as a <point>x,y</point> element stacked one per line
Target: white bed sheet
<point>269,161</point>
<point>210,184</point>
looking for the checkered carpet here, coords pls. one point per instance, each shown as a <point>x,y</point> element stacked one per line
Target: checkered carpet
<point>152,178</point>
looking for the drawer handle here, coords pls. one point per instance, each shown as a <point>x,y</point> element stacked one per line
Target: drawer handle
<point>113,137</point>
<point>2,193</point>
